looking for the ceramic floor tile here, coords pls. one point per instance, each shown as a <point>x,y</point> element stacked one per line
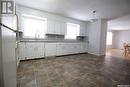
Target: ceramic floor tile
<point>83,70</point>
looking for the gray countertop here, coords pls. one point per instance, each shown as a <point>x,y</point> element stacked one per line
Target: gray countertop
<point>55,41</point>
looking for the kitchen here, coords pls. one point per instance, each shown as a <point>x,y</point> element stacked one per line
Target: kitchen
<point>59,43</point>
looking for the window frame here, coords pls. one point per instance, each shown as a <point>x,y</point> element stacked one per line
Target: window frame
<point>32,17</point>
<point>107,42</point>
<point>77,30</point>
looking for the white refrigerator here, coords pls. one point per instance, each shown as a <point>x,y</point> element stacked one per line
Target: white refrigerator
<point>7,53</point>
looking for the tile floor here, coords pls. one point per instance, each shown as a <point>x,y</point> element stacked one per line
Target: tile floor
<point>83,70</point>
<point>117,53</point>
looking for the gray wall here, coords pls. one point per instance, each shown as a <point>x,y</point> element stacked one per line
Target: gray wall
<point>120,37</point>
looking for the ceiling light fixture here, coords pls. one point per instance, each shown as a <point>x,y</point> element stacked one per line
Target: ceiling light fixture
<point>93,16</point>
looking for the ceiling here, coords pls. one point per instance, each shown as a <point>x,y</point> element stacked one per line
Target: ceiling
<point>81,9</point>
<point>122,23</point>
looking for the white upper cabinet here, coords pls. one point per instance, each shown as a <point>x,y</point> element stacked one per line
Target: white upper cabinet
<point>56,27</point>
<point>63,28</point>
<point>60,28</point>
<point>50,27</point>
<point>82,31</point>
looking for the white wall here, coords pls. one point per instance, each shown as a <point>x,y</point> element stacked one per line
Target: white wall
<point>35,12</point>
<point>120,23</point>
<point>94,34</point>
<point>115,40</point>
<point>110,46</point>
<point>120,37</point>
<point>97,37</point>
<point>103,35</point>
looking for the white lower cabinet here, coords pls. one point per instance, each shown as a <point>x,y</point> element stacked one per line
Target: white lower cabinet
<point>84,47</point>
<point>76,47</point>
<point>67,48</point>
<point>41,50</point>
<point>70,48</point>
<point>33,50</point>
<point>22,51</point>
<point>50,49</point>
<point>60,49</point>
<point>64,49</point>
<point>29,50</point>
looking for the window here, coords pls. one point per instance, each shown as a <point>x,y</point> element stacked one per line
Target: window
<point>33,27</point>
<point>109,38</point>
<point>72,30</point>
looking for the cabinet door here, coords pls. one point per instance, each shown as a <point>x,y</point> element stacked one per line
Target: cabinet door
<point>66,48</point>
<point>57,27</point>
<point>50,49</point>
<point>39,52</point>
<point>50,27</point>
<point>22,51</point>
<point>60,49</point>
<point>76,48</point>
<point>63,28</point>
<point>30,50</point>
<point>84,47</point>
<point>72,47</point>
<point>82,31</point>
